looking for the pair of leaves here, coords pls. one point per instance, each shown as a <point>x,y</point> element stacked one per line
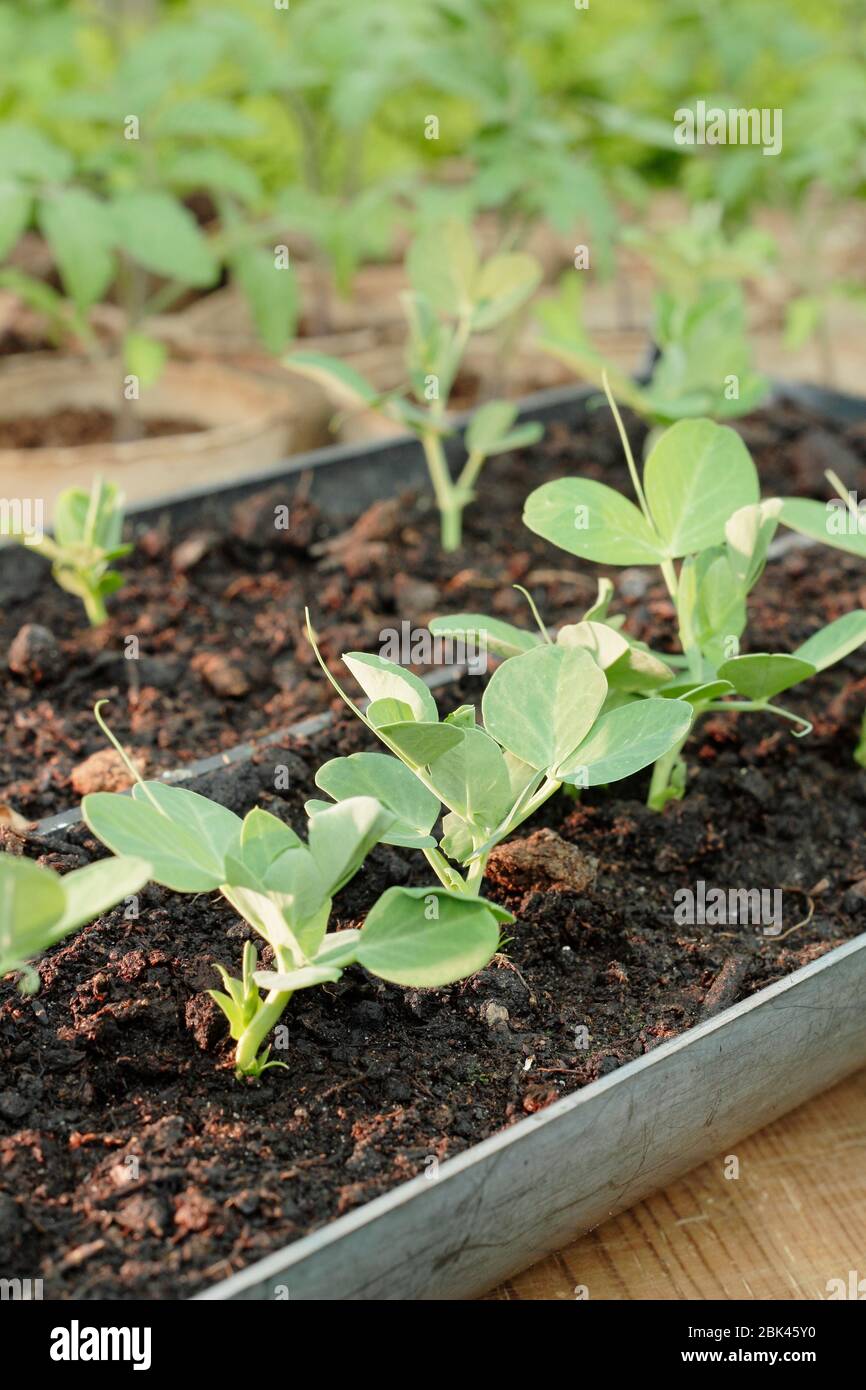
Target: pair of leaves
<point>761,675</point>
<point>279,884</point>
<point>696,476</point>
<point>39,908</point>
<point>423,937</point>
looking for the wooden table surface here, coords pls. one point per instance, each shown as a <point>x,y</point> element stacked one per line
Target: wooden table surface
<point>793,1219</point>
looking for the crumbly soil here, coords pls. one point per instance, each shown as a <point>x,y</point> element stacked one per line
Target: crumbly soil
<point>215,605</point>
<point>134,1165</point>
<point>72,426</point>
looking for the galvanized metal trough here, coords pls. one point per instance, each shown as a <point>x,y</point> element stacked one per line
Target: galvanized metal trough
<point>525,1192</point>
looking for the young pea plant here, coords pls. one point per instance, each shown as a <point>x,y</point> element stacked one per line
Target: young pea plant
<point>698,504</point>
<point>284,887</point>
<point>704,360</point>
<point>87,530</point>
<point>38,908</point>
<point>550,718</point>
<point>453,297</point>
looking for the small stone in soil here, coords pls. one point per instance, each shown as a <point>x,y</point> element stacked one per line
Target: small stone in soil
<point>541,856</point>
<point>105,772</point>
<point>34,654</point>
<point>224,676</point>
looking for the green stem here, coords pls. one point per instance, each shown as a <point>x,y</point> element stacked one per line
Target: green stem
<point>761,706</point>
<point>476,874</point>
<point>255,1033</point>
<point>447,876</point>
<point>662,772</point>
<point>446,494</point>
<point>94,607</point>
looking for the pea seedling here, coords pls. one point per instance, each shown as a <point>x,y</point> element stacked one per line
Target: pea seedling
<point>698,503</point>
<point>87,530</point>
<point>38,908</point>
<point>549,717</point>
<point>453,297</point>
<point>284,887</point>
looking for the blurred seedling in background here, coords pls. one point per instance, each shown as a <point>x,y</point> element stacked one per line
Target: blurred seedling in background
<point>86,541</point>
<point>703,363</point>
<point>454,296</point>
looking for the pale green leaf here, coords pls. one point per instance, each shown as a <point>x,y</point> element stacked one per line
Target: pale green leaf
<point>761,675</point>
<point>593,521</point>
<point>834,641</point>
<point>542,704</point>
<point>376,774</point>
<point>696,476</point>
<point>626,740</point>
<point>382,679</point>
<point>427,937</point>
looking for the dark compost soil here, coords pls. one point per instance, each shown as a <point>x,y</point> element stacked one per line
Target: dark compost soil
<point>134,1165</point>
<point>216,603</point>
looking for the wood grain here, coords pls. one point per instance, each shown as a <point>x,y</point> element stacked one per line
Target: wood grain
<point>793,1218</point>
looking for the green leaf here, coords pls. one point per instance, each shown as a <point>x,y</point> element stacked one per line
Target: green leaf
<point>834,641</point>
<point>15,204</point>
<point>542,704</point>
<point>341,838</point>
<point>32,901</point>
<point>422,743</point>
<point>829,522</point>
<point>593,521</point>
<point>303,978</point>
<point>626,740</point>
<point>695,477</point>
<point>382,679</point>
<point>472,779</point>
<point>213,169</point>
<point>427,937</point>
<point>414,808</point>
<point>26,153</point>
<point>263,839</point>
<point>748,534</point>
<point>501,638</point>
<point>504,284</point>
<point>340,380</point>
<point>488,425</point>
<point>761,675</point>
<point>206,116</point>
<point>144,357</point>
<point>162,236</point>
<point>604,643</point>
<point>272,294</point>
<point>80,231</point>
<point>442,265</point>
<point>186,845</point>
<point>389,711</point>
<point>338,948</point>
